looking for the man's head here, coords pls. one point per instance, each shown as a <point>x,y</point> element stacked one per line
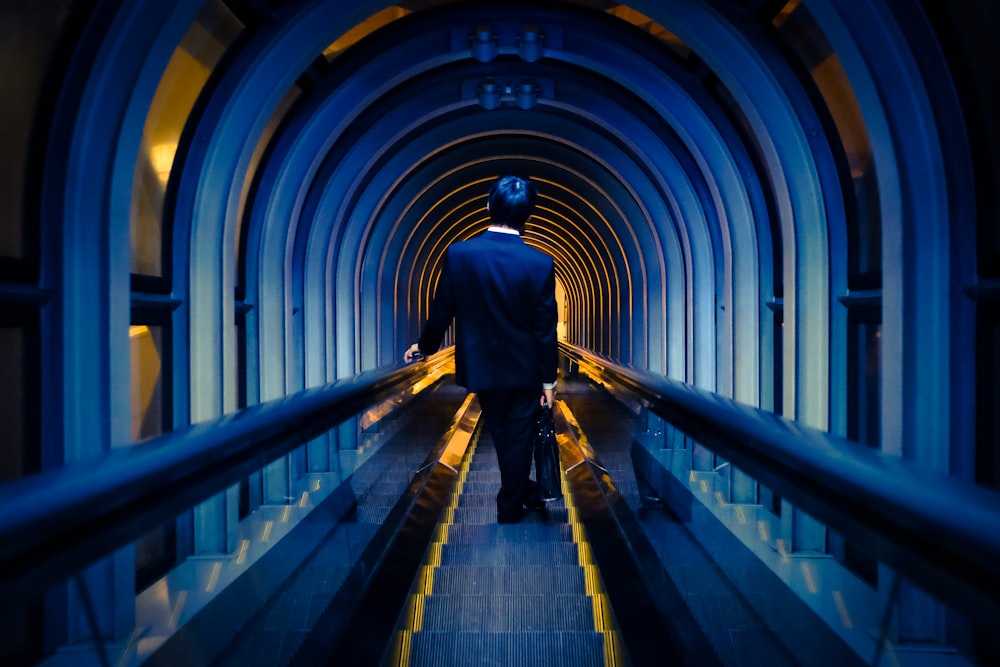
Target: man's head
<point>511,201</point>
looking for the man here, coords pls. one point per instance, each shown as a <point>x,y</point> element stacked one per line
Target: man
<point>501,294</point>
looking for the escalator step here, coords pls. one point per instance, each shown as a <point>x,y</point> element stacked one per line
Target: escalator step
<point>488,515</point>
<point>487,580</point>
<point>486,481</point>
<point>521,649</point>
<point>469,499</point>
<point>503,594</point>
<point>480,486</point>
<point>484,471</point>
<point>508,613</point>
<point>510,553</point>
<point>492,533</point>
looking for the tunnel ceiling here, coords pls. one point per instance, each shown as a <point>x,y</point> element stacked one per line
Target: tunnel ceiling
<point>734,192</point>
<point>704,166</point>
<point>408,108</point>
<point>386,153</point>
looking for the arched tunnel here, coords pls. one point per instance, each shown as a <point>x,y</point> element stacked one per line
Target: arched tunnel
<point>785,205</point>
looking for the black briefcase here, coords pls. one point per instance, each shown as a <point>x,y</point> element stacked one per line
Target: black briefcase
<point>547,468</point>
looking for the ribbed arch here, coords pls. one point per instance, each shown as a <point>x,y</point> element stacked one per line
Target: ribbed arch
<point>238,109</point>
<point>791,139</point>
<point>361,149</point>
<point>706,297</point>
<point>925,186</point>
<point>612,198</point>
<point>668,91</point>
<point>84,204</point>
<point>799,205</point>
<point>574,254</point>
<point>655,245</point>
<point>600,208</point>
<point>581,260</point>
<point>307,158</point>
<point>240,101</point>
<point>439,228</point>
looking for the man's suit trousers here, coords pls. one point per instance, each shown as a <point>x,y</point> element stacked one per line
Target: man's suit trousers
<point>510,416</point>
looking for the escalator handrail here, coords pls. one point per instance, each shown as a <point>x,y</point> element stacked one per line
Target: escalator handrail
<point>54,523</point>
<point>940,531</point>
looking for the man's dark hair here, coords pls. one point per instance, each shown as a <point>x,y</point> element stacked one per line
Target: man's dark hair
<point>511,201</point>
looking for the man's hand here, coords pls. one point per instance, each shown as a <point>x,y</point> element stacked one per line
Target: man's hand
<point>413,353</point>
<point>548,398</point>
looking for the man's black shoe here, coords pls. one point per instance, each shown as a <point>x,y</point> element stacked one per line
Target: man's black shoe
<point>532,499</point>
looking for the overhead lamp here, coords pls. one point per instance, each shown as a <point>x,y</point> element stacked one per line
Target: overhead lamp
<point>484,44</point>
<point>530,43</point>
<point>526,96</point>
<point>489,94</point>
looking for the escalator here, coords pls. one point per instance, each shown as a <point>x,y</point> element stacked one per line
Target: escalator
<point>491,594</point>
<point>474,591</point>
<point>420,573</point>
<point>393,555</point>
<point>417,571</point>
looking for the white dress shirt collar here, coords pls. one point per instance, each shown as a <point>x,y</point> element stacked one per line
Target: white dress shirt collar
<point>504,230</point>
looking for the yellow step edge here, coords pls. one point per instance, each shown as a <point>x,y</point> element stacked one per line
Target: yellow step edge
<point>434,554</point>
<point>425,583</point>
<point>592,580</point>
<point>584,555</point>
<point>614,650</point>
<point>413,617</point>
<point>402,645</point>
<point>597,602</point>
<point>604,623</point>
<point>603,619</point>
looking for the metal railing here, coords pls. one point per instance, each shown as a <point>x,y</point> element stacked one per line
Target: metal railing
<point>56,522</point>
<point>939,531</point>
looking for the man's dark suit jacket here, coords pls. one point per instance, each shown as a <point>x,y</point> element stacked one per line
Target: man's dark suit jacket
<point>501,293</point>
